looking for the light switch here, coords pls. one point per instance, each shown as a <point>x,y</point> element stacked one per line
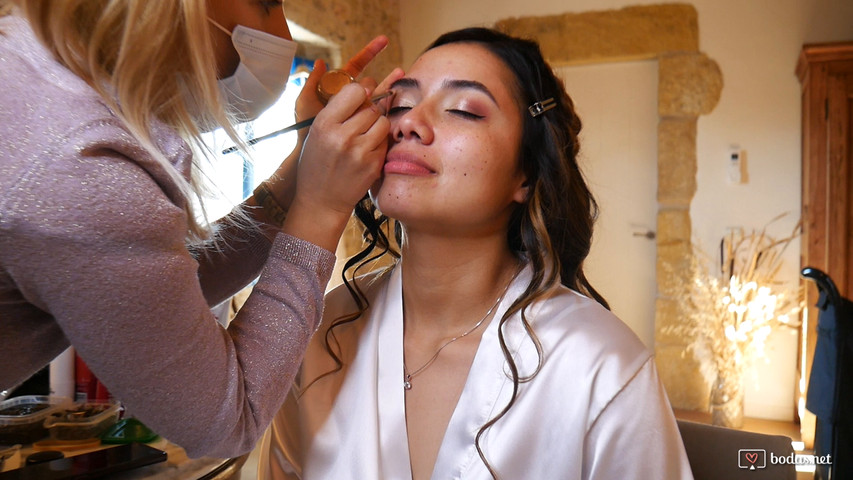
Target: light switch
<point>734,168</point>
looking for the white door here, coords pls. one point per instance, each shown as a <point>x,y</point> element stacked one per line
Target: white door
<point>617,103</point>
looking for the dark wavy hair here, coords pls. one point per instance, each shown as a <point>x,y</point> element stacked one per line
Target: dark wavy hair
<point>552,230</point>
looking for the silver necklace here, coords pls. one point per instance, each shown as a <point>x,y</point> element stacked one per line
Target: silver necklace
<point>407,377</point>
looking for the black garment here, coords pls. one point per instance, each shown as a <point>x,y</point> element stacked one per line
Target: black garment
<point>830,392</point>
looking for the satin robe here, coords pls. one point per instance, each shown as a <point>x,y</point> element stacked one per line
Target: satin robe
<point>596,410</point>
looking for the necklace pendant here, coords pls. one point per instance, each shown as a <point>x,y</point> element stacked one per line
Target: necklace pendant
<point>407,383</point>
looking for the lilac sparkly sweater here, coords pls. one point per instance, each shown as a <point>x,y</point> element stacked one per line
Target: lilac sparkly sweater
<point>92,254</point>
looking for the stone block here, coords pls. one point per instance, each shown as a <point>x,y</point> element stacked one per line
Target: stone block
<point>689,84</point>
<point>673,225</point>
<point>344,25</point>
<point>684,384</point>
<point>670,312</point>
<point>628,33</point>
<point>676,161</point>
<point>673,269</point>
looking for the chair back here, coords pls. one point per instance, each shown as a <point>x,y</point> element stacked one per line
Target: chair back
<point>717,453</point>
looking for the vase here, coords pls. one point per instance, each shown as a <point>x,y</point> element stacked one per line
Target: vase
<point>727,400</point>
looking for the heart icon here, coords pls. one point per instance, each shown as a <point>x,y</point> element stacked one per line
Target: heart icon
<point>751,457</point>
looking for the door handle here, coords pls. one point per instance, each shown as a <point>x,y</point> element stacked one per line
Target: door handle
<point>648,234</point>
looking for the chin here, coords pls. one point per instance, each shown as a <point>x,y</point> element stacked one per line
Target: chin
<point>391,205</point>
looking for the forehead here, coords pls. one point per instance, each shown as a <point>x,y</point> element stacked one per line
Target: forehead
<point>464,61</point>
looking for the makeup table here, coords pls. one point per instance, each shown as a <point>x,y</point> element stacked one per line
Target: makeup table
<point>176,466</point>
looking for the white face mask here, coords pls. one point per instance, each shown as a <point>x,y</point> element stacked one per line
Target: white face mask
<point>260,78</point>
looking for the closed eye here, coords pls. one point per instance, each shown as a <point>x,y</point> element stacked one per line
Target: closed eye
<point>398,110</point>
<point>465,114</point>
<point>269,5</point>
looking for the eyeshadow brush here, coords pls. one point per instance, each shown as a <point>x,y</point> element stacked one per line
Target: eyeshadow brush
<point>296,126</point>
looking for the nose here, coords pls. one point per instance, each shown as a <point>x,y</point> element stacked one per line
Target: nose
<point>414,124</point>
<point>279,24</point>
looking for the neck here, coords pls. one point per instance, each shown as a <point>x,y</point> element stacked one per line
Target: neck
<point>450,283</point>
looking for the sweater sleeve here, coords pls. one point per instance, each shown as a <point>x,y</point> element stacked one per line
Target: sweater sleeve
<point>99,244</point>
<point>234,260</point>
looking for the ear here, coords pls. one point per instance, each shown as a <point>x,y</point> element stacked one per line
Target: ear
<point>521,193</point>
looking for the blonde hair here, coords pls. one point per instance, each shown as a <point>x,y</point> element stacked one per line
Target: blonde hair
<point>148,60</point>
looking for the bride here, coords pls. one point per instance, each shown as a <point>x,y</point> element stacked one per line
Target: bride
<point>483,351</point>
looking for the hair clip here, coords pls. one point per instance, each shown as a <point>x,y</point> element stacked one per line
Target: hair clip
<point>538,108</point>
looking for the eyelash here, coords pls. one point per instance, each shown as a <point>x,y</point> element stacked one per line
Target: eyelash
<point>396,110</point>
<point>268,5</point>
<point>460,113</point>
<point>466,114</point>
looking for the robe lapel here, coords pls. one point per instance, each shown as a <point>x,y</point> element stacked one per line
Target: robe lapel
<point>391,402</point>
<point>486,391</point>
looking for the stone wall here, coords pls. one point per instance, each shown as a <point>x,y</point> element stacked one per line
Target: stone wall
<point>689,85</point>
<point>350,24</point>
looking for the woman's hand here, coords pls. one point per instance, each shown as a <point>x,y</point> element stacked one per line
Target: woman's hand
<point>283,182</point>
<point>308,104</point>
<point>343,156</point>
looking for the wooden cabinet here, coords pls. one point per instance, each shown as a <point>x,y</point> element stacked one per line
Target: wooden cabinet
<point>826,75</point>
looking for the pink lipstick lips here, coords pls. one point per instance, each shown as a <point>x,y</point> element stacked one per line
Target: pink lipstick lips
<point>406,164</point>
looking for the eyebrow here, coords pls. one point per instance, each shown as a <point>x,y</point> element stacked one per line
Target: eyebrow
<point>411,83</point>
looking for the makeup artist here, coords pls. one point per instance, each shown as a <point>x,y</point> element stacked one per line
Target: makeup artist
<point>101,244</point>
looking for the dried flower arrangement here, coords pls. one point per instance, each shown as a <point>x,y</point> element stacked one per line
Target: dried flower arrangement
<point>732,309</point>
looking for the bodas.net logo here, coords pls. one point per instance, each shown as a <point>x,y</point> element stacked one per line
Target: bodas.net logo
<point>752,458</point>
<point>756,459</point>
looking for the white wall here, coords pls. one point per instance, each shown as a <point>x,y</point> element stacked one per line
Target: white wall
<point>756,44</point>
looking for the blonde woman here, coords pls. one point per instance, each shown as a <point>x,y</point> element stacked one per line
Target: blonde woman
<point>483,352</point>
<point>100,247</point>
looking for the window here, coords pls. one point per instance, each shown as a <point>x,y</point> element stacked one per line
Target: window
<point>232,177</point>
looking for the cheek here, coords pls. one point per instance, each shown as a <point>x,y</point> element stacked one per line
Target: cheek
<point>470,155</point>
